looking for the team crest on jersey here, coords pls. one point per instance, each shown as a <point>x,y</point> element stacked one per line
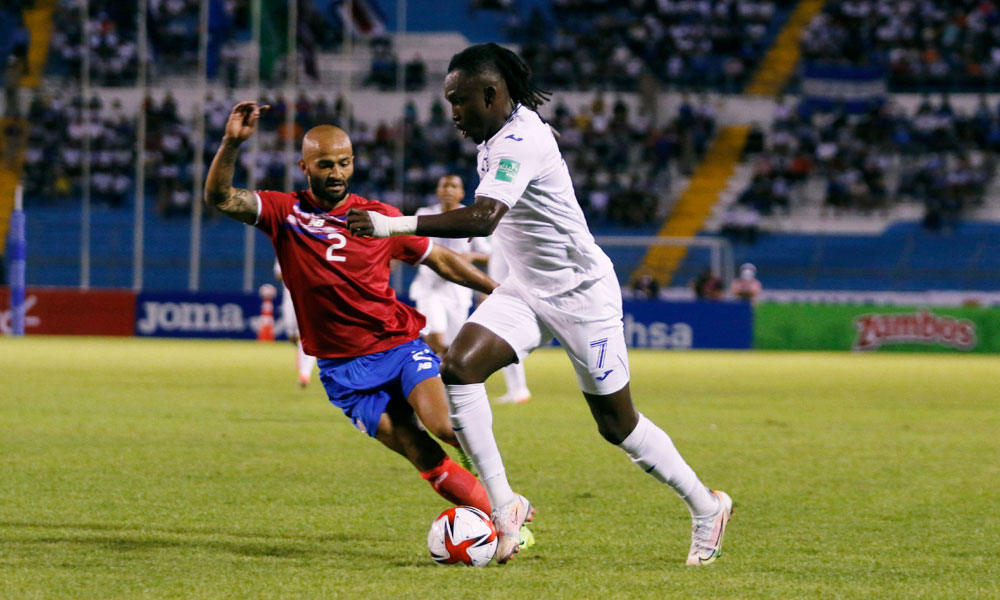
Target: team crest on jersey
<point>310,223</point>
<point>507,170</point>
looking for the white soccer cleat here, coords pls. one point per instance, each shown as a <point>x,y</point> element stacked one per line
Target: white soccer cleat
<point>513,399</point>
<point>707,533</point>
<point>508,520</point>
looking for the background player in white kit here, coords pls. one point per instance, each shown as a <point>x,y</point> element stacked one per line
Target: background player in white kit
<point>561,285</point>
<point>304,363</point>
<point>446,305</point>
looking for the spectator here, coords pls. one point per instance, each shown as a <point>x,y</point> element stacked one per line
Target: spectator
<point>646,288</point>
<point>746,286</point>
<point>707,286</point>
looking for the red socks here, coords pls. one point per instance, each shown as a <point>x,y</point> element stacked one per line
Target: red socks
<point>456,485</point>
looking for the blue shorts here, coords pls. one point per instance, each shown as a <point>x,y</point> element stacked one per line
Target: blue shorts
<point>363,386</point>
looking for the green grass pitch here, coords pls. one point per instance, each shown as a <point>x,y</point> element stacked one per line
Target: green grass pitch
<point>137,468</point>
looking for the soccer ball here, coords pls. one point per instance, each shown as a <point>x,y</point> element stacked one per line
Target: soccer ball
<point>462,534</point>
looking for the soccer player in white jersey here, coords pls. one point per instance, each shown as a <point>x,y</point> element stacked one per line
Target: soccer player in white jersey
<point>561,285</point>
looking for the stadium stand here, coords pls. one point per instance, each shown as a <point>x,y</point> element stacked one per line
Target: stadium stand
<point>936,156</point>
<point>931,45</point>
<point>808,189</point>
<point>590,44</point>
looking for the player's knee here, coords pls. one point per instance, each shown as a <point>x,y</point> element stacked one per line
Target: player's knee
<point>457,369</point>
<point>614,429</point>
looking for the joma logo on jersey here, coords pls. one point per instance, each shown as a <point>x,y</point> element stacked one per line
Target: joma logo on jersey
<point>507,170</point>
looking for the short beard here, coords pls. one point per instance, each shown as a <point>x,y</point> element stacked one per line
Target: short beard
<point>320,193</point>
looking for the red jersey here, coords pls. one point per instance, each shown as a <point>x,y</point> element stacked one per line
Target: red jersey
<point>340,283</point>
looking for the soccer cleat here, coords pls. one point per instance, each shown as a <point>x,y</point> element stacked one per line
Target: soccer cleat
<point>512,399</point>
<point>508,520</point>
<point>527,538</point>
<point>707,533</point>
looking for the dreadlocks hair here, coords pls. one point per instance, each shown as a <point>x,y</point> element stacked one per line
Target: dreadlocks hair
<point>514,71</point>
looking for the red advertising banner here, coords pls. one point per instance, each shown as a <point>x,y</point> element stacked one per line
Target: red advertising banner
<point>69,311</point>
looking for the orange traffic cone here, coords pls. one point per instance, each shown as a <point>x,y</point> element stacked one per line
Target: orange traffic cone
<point>266,331</point>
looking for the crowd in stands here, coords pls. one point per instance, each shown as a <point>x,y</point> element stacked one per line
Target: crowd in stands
<point>173,41</point>
<point>111,29</point>
<point>622,165</point>
<point>866,161</point>
<point>384,73</point>
<point>57,139</point>
<point>594,44</point>
<point>580,44</point>
<point>931,44</point>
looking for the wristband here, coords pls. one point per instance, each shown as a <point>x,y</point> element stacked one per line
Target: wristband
<point>383,226</point>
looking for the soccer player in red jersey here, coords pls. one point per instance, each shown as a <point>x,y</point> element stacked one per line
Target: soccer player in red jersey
<point>373,364</point>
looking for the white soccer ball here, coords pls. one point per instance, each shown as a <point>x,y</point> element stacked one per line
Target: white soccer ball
<point>462,534</point>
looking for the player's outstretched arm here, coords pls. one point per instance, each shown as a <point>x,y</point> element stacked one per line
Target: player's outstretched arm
<point>454,267</point>
<point>477,220</point>
<point>238,203</point>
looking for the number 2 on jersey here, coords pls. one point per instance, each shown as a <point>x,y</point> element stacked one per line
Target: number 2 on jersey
<point>339,241</point>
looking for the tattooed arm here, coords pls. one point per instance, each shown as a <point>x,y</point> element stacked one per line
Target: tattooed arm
<point>238,203</point>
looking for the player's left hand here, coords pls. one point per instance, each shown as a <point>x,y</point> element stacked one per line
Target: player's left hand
<point>359,223</point>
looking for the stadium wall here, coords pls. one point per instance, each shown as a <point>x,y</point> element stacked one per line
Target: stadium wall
<point>69,311</point>
<point>653,324</point>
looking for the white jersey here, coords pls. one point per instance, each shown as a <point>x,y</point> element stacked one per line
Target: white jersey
<point>544,236</point>
<point>427,282</point>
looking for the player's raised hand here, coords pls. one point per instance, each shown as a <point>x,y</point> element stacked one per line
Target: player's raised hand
<point>242,121</point>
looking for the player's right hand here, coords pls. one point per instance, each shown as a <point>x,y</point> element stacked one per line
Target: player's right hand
<point>242,121</point>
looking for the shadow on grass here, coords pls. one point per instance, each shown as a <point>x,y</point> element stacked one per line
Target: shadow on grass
<point>125,538</point>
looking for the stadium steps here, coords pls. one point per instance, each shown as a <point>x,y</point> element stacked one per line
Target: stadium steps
<point>780,61</point>
<point>697,202</point>
<point>38,20</point>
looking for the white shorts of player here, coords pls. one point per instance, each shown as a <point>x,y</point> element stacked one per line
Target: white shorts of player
<point>587,321</point>
<point>445,313</point>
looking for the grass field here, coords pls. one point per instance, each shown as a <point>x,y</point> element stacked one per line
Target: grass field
<point>147,469</point>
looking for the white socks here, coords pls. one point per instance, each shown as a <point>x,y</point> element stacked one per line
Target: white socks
<point>651,448</point>
<point>303,362</point>
<point>517,382</point>
<point>472,420</point>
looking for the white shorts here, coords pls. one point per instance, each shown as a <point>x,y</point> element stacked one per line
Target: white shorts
<point>444,315</point>
<point>587,321</point>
